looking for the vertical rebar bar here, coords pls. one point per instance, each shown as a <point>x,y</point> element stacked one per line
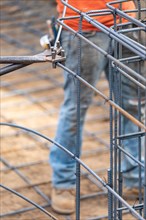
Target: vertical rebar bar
<point>144,211</point>
<point>120,128</point>
<point>110,196</point>
<point>78,126</point>
<point>120,185</point>
<point>110,207</point>
<point>139,112</point>
<point>115,91</point>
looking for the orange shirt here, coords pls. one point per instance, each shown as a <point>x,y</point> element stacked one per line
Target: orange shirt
<point>87,5</point>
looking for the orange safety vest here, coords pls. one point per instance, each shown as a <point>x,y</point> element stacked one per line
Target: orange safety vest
<point>88,5</point>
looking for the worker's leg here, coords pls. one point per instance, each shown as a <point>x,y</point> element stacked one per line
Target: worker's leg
<point>92,65</point>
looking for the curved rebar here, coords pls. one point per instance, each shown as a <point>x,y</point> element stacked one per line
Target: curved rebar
<point>115,194</point>
<point>29,201</point>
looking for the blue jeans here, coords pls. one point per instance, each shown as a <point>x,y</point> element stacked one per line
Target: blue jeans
<point>92,65</point>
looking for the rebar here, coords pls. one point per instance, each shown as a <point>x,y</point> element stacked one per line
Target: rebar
<point>118,68</point>
<point>112,103</point>
<point>30,201</point>
<point>134,213</point>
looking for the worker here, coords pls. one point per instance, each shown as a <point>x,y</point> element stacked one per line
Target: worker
<point>93,63</point>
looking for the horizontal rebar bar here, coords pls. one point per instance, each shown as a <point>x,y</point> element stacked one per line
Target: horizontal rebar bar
<point>137,134</point>
<point>130,156</point>
<point>124,15</point>
<point>131,78</point>
<point>136,207</point>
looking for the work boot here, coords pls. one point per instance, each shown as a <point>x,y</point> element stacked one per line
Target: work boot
<point>63,200</point>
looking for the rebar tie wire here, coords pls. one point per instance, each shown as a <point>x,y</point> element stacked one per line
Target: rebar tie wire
<point>78,124</point>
